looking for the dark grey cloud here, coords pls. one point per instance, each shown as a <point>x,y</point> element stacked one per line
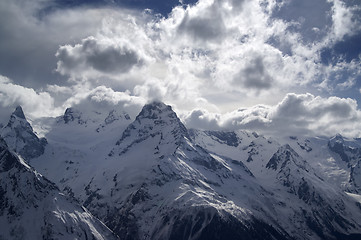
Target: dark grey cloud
<point>208,26</point>
<point>24,50</point>
<point>254,75</point>
<point>237,4</point>
<point>28,43</point>
<point>106,57</point>
<point>113,60</point>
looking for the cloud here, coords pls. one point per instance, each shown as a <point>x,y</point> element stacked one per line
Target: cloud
<point>341,75</point>
<point>29,38</point>
<point>212,56</point>
<point>296,109</point>
<point>151,90</point>
<point>203,24</point>
<point>345,20</point>
<point>58,89</point>
<point>103,97</point>
<point>212,48</point>
<point>254,75</point>
<point>101,55</point>
<point>202,119</point>
<point>300,114</point>
<point>35,104</point>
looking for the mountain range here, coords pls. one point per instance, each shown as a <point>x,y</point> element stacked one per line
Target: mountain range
<point>99,173</point>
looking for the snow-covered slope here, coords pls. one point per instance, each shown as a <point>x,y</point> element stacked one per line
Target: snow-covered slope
<point>313,207</point>
<point>78,144</point>
<point>31,207</point>
<point>20,137</point>
<point>327,211</point>
<point>336,159</point>
<point>156,184</point>
<point>250,148</point>
<point>154,179</point>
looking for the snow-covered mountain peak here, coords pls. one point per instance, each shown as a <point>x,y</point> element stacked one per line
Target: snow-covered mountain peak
<point>18,119</point>
<point>337,139</point>
<point>71,115</point>
<point>157,121</point>
<point>338,145</point>
<point>19,112</point>
<point>284,155</point>
<point>160,114</point>
<point>91,116</point>
<point>157,111</point>
<point>287,148</point>
<point>338,136</point>
<point>20,137</point>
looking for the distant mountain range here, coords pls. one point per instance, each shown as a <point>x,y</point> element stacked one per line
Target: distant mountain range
<point>152,178</point>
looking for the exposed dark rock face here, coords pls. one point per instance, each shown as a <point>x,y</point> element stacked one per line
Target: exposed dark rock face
<point>229,138</point>
<point>210,224</point>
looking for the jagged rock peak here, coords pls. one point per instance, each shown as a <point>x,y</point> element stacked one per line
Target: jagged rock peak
<point>336,140</point>
<point>284,154</point>
<point>156,110</point>
<point>154,119</point>
<point>113,116</point>
<point>337,145</point>
<point>161,114</point>
<point>71,114</point>
<point>19,112</point>
<point>338,137</point>
<point>229,138</point>
<point>286,148</point>
<point>18,120</point>
<point>20,137</point>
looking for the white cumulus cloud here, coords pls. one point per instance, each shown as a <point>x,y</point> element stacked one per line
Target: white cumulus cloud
<point>300,114</point>
<point>35,104</point>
